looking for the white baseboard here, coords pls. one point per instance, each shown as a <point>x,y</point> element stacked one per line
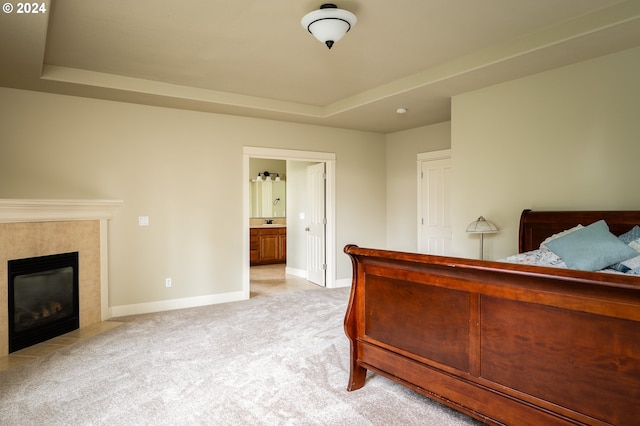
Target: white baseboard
<point>192,302</point>
<point>167,305</point>
<point>345,282</point>
<point>302,273</point>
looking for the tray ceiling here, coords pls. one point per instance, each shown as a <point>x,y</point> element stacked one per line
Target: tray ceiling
<point>253,58</point>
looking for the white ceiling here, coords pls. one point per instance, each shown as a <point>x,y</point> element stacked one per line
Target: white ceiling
<point>253,58</point>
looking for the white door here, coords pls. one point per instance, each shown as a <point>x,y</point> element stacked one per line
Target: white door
<point>435,175</point>
<point>316,224</point>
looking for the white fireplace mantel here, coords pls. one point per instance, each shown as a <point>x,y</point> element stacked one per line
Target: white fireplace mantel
<point>19,210</point>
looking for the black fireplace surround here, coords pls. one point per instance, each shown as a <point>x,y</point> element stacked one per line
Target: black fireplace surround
<point>43,298</point>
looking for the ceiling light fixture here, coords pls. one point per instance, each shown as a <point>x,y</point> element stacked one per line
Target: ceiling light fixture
<point>329,24</point>
<point>401,110</point>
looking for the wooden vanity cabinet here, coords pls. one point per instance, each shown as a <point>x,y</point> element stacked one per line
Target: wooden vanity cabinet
<point>268,245</point>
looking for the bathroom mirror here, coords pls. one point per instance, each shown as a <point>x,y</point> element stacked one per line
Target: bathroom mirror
<point>268,199</point>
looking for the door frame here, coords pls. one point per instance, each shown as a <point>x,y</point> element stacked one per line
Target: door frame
<point>329,158</point>
<point>421,158</point>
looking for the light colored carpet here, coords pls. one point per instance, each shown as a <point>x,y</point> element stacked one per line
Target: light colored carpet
<point>278,359</point>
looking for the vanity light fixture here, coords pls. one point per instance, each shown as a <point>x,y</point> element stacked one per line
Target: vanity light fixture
<point>329,24</point>
<point>266,176</point>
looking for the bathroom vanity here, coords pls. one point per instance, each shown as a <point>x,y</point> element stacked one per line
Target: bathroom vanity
<point>268,244</point>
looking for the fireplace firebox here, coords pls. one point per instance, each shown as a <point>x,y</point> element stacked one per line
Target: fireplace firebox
<point>43,298</point>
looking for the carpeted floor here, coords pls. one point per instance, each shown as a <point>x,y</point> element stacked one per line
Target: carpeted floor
<point>278,359</point>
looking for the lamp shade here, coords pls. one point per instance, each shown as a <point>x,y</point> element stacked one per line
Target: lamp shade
<point>329,24</point>
<point>482,226</point>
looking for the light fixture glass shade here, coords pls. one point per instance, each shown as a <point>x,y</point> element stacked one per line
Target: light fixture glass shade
<point>329,24</point>
<point>482,226</point>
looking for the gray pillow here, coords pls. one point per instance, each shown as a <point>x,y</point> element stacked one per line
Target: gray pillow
<point>591,248</point>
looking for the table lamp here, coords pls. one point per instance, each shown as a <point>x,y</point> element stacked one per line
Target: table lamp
<point>482,226</point>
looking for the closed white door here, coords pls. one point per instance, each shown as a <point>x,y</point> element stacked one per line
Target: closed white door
<point>316,224</point>
<point>435,175</point>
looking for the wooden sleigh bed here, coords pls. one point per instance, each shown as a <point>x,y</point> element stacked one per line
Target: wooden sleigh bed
<point>504,343</point>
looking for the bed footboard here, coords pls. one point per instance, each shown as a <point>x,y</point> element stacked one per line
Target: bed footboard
<point>503,343</point>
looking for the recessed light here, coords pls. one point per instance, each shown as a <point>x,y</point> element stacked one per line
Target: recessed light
<point>401,110</point>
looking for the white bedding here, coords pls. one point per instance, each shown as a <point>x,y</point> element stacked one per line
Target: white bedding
<point>545,257</point>
<point>593,241</point>
<point>540,257</point>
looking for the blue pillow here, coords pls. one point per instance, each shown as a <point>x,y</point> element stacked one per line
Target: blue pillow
<point>591,248</point>
<point>632,234</point>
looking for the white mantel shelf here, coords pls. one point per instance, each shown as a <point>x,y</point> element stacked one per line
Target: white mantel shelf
<point>24,210</point>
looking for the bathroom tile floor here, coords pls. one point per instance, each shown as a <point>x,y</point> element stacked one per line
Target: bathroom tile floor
<point>269,279</point>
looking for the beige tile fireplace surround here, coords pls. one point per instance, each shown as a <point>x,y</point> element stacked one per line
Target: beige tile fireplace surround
<point>30,228</point>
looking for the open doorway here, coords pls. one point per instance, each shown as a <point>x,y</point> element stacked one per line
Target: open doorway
<point>296,219</point>
<point>278,196</point>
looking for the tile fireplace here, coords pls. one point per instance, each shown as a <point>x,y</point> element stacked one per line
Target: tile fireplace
<point>42,228</point>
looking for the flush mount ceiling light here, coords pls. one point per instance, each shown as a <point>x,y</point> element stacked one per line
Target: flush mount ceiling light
<point>329,24</point>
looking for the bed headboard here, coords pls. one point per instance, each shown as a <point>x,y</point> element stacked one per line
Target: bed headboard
<point>536,226</point>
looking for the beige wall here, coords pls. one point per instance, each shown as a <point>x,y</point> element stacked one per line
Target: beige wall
<point>402,185</point>
<point>259,165</point>
<point>567,138</point>
<point>183,169</point>
<point>563,139</point>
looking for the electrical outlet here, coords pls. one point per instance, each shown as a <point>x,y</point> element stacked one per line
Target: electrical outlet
<point>167,282</point>
<point>143,220</point>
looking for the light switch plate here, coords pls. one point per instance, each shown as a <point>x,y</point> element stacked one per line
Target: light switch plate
<point>143,221</point>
